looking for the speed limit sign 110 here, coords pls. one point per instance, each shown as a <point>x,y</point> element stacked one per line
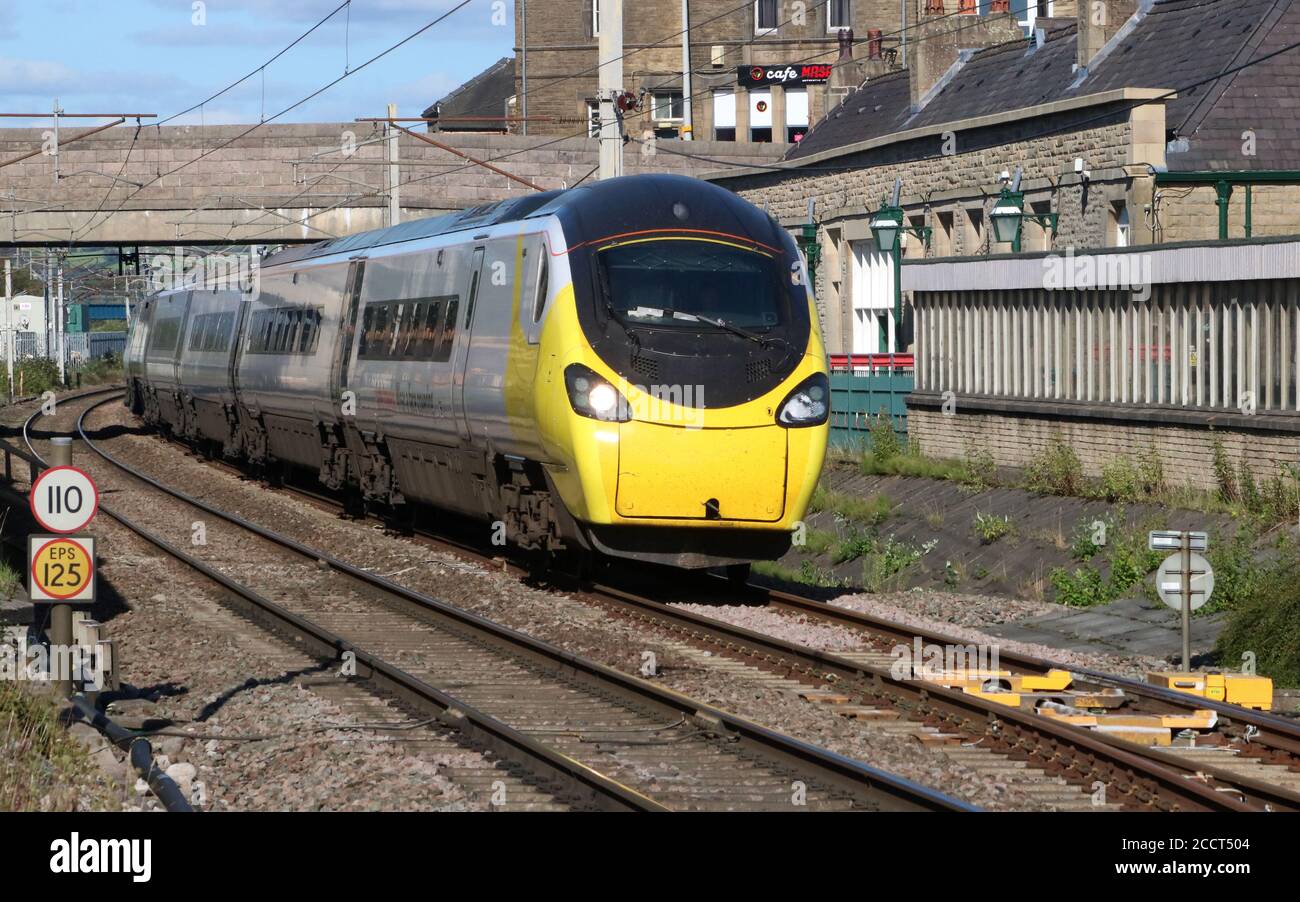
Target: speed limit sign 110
<point>64,499</point>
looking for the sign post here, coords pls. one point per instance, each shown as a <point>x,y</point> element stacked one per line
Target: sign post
<point>62,568</point>
<point>1185,579</point>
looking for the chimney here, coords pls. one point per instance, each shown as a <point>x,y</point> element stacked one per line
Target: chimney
<point>938,40</point>
<point>1099,21</point>
<point>875,43</point>
<point>848,73</point>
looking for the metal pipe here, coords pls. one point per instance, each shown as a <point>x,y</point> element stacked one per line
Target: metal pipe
<point>464,156</point>
<point>688,122</point>
<point>41,150</point>
<point>523,63</point>
<point>138,750</point>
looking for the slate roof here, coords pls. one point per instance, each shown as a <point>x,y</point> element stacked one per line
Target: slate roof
<point>1177,43</point>
<point>483,95</point>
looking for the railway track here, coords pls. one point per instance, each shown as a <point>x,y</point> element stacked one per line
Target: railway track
<point>860,682</point>
<point>587,733</point>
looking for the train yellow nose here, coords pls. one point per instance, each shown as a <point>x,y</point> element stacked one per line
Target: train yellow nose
<point>701,474</point>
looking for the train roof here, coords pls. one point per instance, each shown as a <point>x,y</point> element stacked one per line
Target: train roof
<point>615,199</point>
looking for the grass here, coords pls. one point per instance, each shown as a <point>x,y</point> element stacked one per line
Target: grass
<point>101,370</point>
<point>1266,624</point>
<point>1112,559</point>
<point>869,511</point>
<point>42,768</point>
<point>10,579</point>
<point>808,574</point>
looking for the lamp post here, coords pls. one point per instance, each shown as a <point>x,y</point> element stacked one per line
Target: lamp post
<point>812,251</point>
<point>1008,215</point>
<point>887,225</point>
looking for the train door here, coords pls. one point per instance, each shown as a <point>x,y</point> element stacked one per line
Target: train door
<point>341,365</point>
<point>461,353</point>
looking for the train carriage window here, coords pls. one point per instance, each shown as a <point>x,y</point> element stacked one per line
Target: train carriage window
<point>449,329</point>
<point>432,329</point>
<point>398,317</point>
<point>413,330</point>
<point>310,332</point>
<point>197,336</point>
<point>165,334</point>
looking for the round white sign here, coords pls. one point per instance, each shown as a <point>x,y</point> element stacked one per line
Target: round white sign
<point>64,499</point>
<point>1169,580</point>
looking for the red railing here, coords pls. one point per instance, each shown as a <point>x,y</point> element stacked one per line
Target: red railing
<point>857,363</point>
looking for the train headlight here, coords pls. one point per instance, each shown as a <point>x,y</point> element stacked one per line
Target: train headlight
<point>592,396</point>
<point>809,404</point>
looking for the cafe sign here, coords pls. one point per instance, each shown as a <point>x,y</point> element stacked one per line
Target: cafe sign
<point>798,74</point>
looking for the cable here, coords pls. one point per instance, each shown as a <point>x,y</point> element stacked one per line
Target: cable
<point>283,51</point>
<point>1072,126</point>
<point>383,53</point>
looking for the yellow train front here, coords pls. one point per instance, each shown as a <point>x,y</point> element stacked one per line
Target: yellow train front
<point>681,394</point>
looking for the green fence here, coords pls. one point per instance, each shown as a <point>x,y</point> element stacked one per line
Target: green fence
<point>857,398</point>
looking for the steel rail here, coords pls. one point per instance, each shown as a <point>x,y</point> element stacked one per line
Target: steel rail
<point>588,786</point>
<point>1080,754</point>
<point>1274,731</point>
<point>836,770</point>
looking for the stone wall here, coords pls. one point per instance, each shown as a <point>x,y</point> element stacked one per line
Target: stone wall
<point>282,181</point>
<point>1186,451</point>
<point>953,193</point>
<point>562,48</point>
<point>1194,216</point>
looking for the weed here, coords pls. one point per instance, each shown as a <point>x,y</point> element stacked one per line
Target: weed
<point>1084,587</point>
<point>990,527</point>
<point>1223,474</point>
<point>882,567</point>
<point>884,440</point>
<point>1055,470</point>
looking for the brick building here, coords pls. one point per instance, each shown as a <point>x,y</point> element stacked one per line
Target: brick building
<point>558,39</point>
<point>1084,107</point>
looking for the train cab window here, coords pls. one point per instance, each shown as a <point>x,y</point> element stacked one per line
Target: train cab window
<point>684,284</point>
<point>543,276</point>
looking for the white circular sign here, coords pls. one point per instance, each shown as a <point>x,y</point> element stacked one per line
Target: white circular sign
<point>64,499</point>
<point>1169,580</point>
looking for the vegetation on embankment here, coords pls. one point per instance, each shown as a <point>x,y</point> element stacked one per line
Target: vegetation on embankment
<point>42,768</point>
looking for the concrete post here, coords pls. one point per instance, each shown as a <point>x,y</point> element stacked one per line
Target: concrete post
<point>60,628</point>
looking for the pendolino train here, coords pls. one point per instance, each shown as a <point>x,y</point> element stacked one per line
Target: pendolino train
<point>627,369</point>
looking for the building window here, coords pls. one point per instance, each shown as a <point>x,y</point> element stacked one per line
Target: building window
<point>943,235</point>
<point>595,18</point>
<point>724,115</point>
<point>796,114</point>
<point>667,105</point>
<point>839,14</point>
<point>766,13</point>
<point>760,116</point>
<point>1030,11</point>
<point>593,118</point>
<point>1123,229</point>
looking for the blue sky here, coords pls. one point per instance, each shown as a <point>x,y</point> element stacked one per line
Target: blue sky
<point>148,56</point>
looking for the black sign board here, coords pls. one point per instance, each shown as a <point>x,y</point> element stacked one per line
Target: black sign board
<point>793,74</point>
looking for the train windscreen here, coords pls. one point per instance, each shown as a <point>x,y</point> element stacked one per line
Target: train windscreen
<point>686,283</point>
